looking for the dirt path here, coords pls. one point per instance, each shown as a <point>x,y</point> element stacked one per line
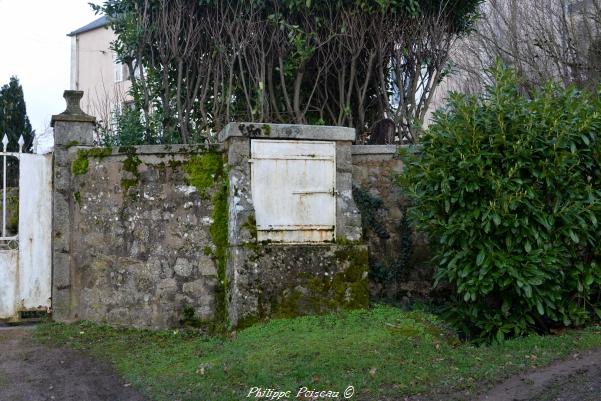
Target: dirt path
<point>31,372</point>
<point>575,379</point>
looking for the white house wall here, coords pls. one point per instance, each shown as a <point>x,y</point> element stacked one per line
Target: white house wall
<point>93,72</point>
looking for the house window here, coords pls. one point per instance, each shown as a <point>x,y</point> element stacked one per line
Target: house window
<point>121,72</point>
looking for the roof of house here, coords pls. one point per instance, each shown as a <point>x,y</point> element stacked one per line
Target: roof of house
<point>99,23</point>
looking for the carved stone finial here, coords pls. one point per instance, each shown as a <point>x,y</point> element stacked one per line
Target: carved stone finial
<point>73,98</point>
<point>73,113</point>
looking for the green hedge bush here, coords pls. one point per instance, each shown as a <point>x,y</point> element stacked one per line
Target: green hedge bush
<point>508,189</point>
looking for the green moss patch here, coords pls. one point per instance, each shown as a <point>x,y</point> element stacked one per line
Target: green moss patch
<point>70,144</point>
<point>219,235</point>
<point>315,293</point>
<point>203,171</point>
<point>130,165</point>
<point>99,153</point>
<point>351,286</point>
<point>266,129</point>
<point>206,171</point>
<point>80,165</point>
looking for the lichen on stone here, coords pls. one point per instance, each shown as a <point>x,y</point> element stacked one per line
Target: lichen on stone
<point>251,226</point>
<point>99,153</point>
<point>79,166</point>
<point>204,170</point>
<point>174,163</point>
<point>219,236</point>
<point>266,128</point>
<point>130,165</point>
<point>71,143</point>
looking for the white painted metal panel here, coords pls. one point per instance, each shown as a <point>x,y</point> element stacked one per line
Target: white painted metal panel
<point>294,190</point>
<point>8,283</point>
<point>35,225</point>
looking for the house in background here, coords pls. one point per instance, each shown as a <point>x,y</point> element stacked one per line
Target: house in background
<point>95,71</point>
<point>570,30</point>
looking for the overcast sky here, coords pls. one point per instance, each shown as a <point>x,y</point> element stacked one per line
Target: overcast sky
<point>34,47</point>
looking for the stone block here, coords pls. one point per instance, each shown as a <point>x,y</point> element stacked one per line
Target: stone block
<point>204,313</point>
<point>206,266</point>
<point>194,288</point>
<point>61,273</point>
<point>166,289</point>
<point>183,267</point>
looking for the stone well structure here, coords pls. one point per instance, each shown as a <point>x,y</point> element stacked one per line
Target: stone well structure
<point>165,235</point>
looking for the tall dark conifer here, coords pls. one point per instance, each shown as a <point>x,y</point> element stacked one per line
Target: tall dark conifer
<point>13,116</point>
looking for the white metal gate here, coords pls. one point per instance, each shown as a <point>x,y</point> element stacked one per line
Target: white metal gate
<point>25,257</point>
<point>294,190</point>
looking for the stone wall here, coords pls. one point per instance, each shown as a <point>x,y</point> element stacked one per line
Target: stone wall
<point>398,255</point>
<point>140,250</point>
<point>280,281</point>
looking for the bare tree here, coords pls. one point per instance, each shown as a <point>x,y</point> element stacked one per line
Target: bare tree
<point>419,65</point>
<point>105,103</point>
<point>542,40</point>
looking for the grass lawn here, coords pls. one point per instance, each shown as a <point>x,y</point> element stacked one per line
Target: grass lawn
<point>381,352</point>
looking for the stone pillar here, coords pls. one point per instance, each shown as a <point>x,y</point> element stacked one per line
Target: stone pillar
<point>72,128</point>
<point>286,279</point>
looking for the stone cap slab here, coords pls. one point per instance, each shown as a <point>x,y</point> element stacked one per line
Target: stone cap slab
<point>287,131</point>
<point>358,150</point>
<point>374,149</point>
<point>179,149</point>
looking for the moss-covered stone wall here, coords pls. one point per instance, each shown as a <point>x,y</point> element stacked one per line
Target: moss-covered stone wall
<point>292,280</point>
<point>147,236</point>
<point>398,255</point>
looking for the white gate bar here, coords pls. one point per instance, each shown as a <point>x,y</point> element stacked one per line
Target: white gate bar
<point>4,155</point>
